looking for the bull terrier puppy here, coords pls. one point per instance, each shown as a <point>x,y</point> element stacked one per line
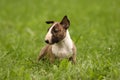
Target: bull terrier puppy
<point>59,43</point>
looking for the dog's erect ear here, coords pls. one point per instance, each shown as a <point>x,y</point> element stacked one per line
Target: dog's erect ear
<point>65,22</point>
<point>49,22</point>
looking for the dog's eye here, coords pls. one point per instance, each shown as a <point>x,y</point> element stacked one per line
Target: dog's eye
<point>56,30</point>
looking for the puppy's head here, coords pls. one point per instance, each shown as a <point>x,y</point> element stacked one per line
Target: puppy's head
<point>57,31</point>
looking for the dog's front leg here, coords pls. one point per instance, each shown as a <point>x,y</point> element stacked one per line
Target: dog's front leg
<point>52,58</point>
<point>74,55</point>
<point>43,52</point>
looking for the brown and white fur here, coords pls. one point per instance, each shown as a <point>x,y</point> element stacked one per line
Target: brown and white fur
<point>59,43</point>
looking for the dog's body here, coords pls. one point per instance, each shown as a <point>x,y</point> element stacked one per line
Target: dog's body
<point>60,44</point>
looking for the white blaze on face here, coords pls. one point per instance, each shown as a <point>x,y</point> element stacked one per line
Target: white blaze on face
<point>49,34</point>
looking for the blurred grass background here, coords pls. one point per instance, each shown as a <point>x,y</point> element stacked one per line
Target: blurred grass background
<point>95,28</point>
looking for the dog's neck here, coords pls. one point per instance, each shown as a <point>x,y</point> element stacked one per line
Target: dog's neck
<point>64,47</point>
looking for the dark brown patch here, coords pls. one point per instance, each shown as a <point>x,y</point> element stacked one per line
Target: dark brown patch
<point>58,33</point>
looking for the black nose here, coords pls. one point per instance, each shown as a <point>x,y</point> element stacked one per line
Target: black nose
<point>46,41</point>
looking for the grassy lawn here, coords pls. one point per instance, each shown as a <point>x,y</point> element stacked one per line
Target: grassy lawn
<point>95,29</point>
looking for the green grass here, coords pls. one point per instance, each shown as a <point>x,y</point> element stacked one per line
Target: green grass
<point>95,29</point>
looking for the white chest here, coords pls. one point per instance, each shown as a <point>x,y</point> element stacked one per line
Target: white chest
<point>62,52</point>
